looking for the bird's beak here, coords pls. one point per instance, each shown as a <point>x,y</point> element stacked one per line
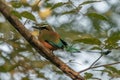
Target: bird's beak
<point>40,28</point>
<point>36,27</point>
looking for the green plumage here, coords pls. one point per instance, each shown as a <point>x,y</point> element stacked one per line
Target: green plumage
<point>48,35</point>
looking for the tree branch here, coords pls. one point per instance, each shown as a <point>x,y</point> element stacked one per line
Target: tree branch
<point>99,66</point>
<point>96,60</point>
<point>6,11</point>
<point>92,64</point>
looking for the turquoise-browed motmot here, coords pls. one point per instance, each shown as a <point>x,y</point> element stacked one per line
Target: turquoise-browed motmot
<point>49,38</point>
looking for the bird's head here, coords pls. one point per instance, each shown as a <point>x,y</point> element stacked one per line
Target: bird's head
<point>43,27</point>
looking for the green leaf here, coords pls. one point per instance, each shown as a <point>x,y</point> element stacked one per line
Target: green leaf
<point>25,3</point>
<point>25,78</point>
<point>7,67</point>
<point>28,15</point>
<point>17,14</point>
<point>88,40</point>
<point>97,16</point>
<point>111,68</point>
<point>35,8</point>
<point>16,4</point>
<point>88,75</point>
<point>111,41</point>
<point>58,5</point>
<point>69,12</point>
<point>112,71</point>
<point>72,49</point>
<point>88,2</point>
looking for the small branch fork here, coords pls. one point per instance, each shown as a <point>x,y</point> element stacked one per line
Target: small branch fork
<point>96,60</point>
<point>99,66</point>
<point>92,66</point>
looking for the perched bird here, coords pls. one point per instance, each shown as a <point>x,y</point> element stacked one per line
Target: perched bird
<point>49,38</point>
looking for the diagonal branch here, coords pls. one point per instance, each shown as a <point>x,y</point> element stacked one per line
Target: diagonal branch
<point>96,60</point>
<point>92,65</point>
<point>5,10</point>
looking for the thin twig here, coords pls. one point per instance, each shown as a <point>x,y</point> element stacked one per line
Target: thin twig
<point>25,22</point>
<point>96,60</point>
<point>99,66</point>
<point>72,4</point>
<point>77,8</point>
<point>92,63</point>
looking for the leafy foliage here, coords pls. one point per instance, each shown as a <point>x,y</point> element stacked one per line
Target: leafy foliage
<point>88,2</point>
<point>7,67</point>
<point>16,4</point>
<point>88,40</point>
<point>28,15</point>
<point>70,12</point>
<point>97,16</point>
<point>58,5</point>
<point>88,75</point>
<point>112,71</point>
<point>111,41</point>
<point>23,58</point>
<point>16,14</point>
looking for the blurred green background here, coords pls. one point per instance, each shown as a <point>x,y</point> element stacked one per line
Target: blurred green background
<point>87,26</point>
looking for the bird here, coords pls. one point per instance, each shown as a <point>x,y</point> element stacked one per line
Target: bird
<point>49,38</point>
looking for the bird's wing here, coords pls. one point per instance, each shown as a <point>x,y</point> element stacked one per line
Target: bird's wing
<point>64,43</point>
<point>51,43</point>
<point>60,44</point>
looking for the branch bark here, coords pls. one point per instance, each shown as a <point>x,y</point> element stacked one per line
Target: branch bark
<point>5,10</point>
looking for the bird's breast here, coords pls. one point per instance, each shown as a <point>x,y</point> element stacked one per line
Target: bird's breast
<point>48,46</point>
